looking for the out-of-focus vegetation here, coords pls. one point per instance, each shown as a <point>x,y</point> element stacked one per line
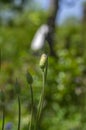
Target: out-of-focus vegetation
<point>64,107</point>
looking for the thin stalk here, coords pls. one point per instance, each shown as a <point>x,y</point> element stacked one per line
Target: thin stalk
<point>43,90</point>
<point>19,112</point>
<point>3,120</point>
<point>31,91</point>
<point>40,105</point>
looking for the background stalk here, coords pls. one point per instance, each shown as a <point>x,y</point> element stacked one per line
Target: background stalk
<point>31,91</point>
<point>19,112</point>
<point>3,120</point>
<point>30,81</point>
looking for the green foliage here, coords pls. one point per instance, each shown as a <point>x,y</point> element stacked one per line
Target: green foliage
<point>5,1</point>
<point>63,107</point>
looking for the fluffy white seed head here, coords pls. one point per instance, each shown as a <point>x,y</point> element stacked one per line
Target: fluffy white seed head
<point>39,38</point>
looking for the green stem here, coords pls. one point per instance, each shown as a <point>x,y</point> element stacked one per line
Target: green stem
<point>3,121</point>
<point>19,113</point>
<point>31,90</point>
<point>41,101</point>
<point>40,106</point>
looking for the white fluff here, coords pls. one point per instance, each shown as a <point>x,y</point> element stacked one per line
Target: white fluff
<point>39,38</point>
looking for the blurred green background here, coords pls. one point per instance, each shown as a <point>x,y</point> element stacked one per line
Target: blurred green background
<point>65,106</point>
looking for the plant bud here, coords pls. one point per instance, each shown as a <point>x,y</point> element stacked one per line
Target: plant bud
<point>29,78</point>
<point>43,61</point>
<point>17,87</point>
<point>2,96</point>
